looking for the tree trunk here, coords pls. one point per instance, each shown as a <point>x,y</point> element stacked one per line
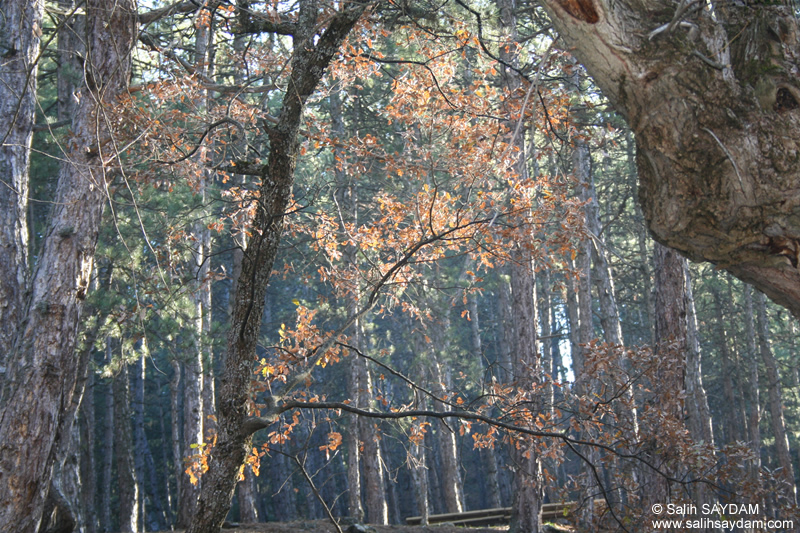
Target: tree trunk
<point>42,370</point>
<point>88,465</point>
<point>346,196</point>
<point>19,47</point>
<point>733,426</point>
<point>248,494</point>
<point>712,97</point>
<point>374,485</point>
<point>528,491</point>
<point>310,56</point>
<point>446,438</point>
<point>128,486</point>
<point>107,450</point>
<point>782,452</point>
<point>175,427</point>
<point>751,389</point>
<point>667,382</point>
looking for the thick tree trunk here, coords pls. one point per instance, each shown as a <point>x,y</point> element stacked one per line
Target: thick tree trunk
<point>310,57</point>
<point>711,92</point>
<point>19,48</point>
<point>42,370</point>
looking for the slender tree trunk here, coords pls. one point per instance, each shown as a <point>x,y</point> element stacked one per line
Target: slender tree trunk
<point>310,56</point>
<point>733,427</point>
<point>108,446</point>
<point>419,461</point>
<point>88,465</point>
<point>528,490</point>
<point>446,440</point>
<point>128,487</point>
<point>782,452</point>
<point>347,201</point>
<point>751,389</point>
<point>374,485</point>
<point>33,400</point>
<point>175,427</point>
<point>139,438</point>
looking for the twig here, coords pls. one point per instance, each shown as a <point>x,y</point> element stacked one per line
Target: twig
<point>316,493</point>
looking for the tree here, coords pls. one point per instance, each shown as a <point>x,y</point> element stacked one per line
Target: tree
<point>314,48</point>
<point>42,370</point>
<point>710,92</point>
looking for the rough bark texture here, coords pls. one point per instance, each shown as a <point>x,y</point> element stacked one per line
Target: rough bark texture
<point>308,63</point>
<point>20,33</point>
<point>42,370</point>
<point>528,493</point>
<point>712,97</point>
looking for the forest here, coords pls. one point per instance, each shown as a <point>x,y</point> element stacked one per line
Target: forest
<point>362,260</point>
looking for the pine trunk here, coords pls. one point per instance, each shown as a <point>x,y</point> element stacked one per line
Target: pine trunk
<point>775,401</point>
<point>42,369</point>
<point>128,487</point>
<point>19,47</point>
<point>751,389</point>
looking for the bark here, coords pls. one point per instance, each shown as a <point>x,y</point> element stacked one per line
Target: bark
<point>88,466</point>
<point>248,494</point>
<point>528,491</point>
<point>667,382</point>
<point>310,56</point>
<point>777,422</point>
<point>19,47</point>
<point>733,426</point>
<point>193,372</point>
<point>751,390</point>
<point>42,371</point>
<point>127,486</point>
<point>108,447</point>
<point>488,457</point>
<point>697,410</point>
<point>346,197</point>
<point>446,441</point>
<point>175,426</point>
<point>374,484</point>
<point>710,92</point>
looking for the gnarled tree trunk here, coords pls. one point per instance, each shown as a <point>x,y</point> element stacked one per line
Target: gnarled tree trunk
<point>711,93</point>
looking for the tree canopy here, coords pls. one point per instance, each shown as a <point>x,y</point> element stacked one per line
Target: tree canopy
<point>398,236</point>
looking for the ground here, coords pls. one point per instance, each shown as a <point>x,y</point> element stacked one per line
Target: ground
<point>324,526</point>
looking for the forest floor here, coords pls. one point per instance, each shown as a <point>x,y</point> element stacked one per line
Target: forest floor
<point>324,526</point>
